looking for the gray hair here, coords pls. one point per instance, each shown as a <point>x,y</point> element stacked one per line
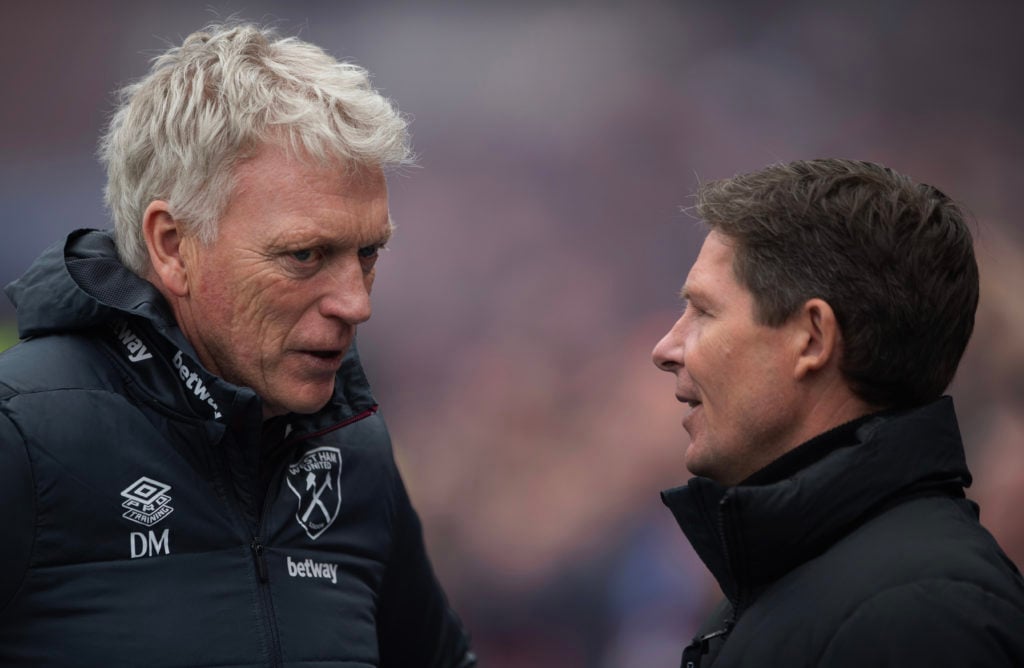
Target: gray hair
<point>207,105</point>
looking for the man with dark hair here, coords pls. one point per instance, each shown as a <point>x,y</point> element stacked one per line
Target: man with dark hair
<point>193,469</point>
<point>825,316</point>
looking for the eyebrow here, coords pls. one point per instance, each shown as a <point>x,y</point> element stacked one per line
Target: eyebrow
<point>296,238</point>
<point>385,236</point>
<point>388,232</point>
<point>688,293</point>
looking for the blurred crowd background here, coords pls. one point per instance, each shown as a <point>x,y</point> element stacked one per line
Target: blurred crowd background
<point>544,235</point>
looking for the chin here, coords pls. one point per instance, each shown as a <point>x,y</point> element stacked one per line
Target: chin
<point>696,465</point>
<point>307,407</point>
<point>297,403</point>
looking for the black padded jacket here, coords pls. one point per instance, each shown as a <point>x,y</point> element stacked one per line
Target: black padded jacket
<point>856,549</point>
<point>150,517</point>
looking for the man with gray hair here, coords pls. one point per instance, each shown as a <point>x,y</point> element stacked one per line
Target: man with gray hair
<point>193,469</point>
<point>825,317</point>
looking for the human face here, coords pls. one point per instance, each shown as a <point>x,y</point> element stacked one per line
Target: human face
<point>736,375</point>
<point>273,303</point>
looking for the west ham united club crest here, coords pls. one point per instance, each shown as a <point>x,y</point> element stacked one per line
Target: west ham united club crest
<point>316,481</point>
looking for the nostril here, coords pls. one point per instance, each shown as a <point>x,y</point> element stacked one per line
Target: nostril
<point>351,306</point>
<point>666,356</point>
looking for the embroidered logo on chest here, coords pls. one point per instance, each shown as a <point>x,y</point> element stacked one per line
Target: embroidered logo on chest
<point>146,501</point>
<point>316,481</point>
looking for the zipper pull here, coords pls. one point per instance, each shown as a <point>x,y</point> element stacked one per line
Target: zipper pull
<point>696,650</point>
<point>261,564</point>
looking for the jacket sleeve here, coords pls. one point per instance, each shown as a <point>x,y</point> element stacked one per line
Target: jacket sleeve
<point>17,510</point>
<point>935,623</point>
<point>415,624</point>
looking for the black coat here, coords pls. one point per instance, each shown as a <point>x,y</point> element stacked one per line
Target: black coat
<point>856,549</point>
<point>151,518</point>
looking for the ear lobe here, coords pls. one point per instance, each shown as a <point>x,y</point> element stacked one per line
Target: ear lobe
<point>819,337</point>
<point>164,238</point>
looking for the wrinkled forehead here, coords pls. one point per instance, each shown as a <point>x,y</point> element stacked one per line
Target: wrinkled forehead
<point>278,196</point>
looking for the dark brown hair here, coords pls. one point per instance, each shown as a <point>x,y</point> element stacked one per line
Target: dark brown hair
<point>893,258</point>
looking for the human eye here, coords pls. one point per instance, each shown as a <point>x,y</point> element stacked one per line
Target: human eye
<point>304,255</point>
<point>694,308</point>
<point>370,251</point>
<point>368,255</point>
<point>303,261</point>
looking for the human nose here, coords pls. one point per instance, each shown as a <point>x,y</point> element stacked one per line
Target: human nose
<point>668,353</point>
<point>348,294</point>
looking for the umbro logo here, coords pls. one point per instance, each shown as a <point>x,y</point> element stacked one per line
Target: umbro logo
<point>146,501</point>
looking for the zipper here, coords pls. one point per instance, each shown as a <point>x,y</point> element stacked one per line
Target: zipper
<point>258,552</point>
<point>695,652</point>
<point>741,593</point>
<point>259,561</point>
<point>256,546</point>
<point>726,552</point>
<point>270,619</point>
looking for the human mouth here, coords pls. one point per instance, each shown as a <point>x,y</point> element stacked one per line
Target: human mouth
<point>327,359</point>
<point>693,403</point>
<point>324,354</point>
<point>689,401</point>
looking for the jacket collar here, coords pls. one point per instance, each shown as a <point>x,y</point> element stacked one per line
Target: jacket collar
<point>753,533</point>
<point>80,284</point>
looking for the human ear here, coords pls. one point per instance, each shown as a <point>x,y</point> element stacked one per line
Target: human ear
<point>164,241</point>
<point>818,337</point>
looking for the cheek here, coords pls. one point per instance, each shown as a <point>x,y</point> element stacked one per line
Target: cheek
<point>270,312</point>
<point>707,355</point>
<point>214,301</point>
<point>368,278</point>
<point>726,377</point>
<point>243,306</point>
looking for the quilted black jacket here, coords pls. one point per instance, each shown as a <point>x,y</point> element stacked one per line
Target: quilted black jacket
<point>856,549</point>
<point>151,518</point>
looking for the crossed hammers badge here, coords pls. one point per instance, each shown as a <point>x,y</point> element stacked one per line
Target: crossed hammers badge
<point>316,481</point>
